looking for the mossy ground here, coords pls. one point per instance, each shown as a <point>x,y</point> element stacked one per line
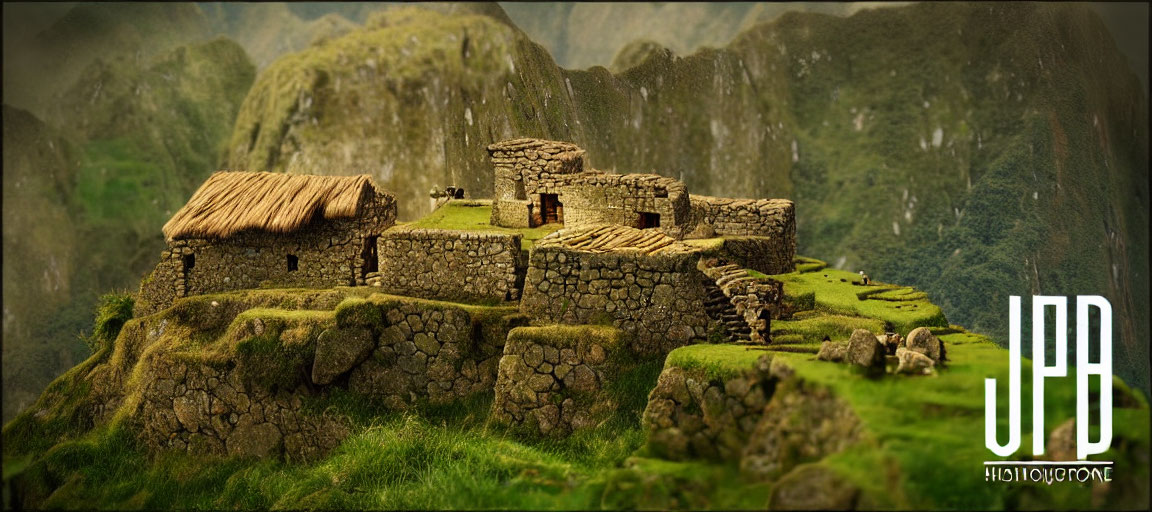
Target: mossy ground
<point>923,446</point>
<point>925,434</point>
<point>474,216</point>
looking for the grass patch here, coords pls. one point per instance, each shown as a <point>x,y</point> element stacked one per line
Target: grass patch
<point>716,362</point>
<point>839,292</point>
<point>474,215</point>
<point>814,329</point>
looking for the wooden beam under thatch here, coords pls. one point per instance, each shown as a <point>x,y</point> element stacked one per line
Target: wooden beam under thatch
<point>230,202</point>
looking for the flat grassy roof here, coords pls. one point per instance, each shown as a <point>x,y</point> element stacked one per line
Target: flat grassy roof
<point>474,215</point>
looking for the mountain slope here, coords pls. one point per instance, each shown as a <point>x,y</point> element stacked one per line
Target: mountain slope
<point>941,145</point>
<point>85,202</point>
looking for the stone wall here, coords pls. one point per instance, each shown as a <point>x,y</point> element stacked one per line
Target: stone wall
<point>260,389</point>
<point>552,379</point>
<point>691,415</point>
<point>451,265</point>
<point>718,216</point>
<point>655,298</point>
<point>430,351</point>
<point>323,254</point>
<point>635,200</point>
<point>766,255</point>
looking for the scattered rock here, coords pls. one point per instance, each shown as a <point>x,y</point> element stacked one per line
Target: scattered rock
<point>923,341</point>
<point>834,351</point>
<point>913,362</point>
<point>813,487</point>
<point>865,350</point>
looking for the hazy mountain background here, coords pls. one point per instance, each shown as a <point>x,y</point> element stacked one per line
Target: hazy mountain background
<point>971,150</point>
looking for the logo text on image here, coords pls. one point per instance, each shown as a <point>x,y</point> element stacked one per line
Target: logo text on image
<point>1059,368</point>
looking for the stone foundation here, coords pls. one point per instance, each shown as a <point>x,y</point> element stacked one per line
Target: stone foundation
<point>654,298</point>
<point>451,265</point>
<point>552,379</point>
<point>261,388</point>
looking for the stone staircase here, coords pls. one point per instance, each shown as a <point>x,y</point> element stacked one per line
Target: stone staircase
<point>742,304</point>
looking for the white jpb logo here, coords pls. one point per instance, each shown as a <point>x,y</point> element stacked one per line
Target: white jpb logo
<point>1059,368</point>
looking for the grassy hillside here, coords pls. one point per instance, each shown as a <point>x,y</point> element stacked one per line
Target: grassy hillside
<point>921,443</point>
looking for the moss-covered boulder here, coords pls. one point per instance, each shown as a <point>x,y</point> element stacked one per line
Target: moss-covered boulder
<point>339,350</point>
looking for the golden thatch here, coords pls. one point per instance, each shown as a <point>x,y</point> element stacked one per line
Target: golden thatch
<point>603,238</point>
<point>230,202</point>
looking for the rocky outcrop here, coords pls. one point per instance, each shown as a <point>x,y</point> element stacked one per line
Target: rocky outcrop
<point>763,418</point>
<point>252,373</point>
<point>692,416</point>
<point>814,487</point>
<point>802,423</point>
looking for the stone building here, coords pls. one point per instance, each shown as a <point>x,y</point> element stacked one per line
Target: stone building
<point>643,282</point>
<point>540,182</point>
<point>244,230</point>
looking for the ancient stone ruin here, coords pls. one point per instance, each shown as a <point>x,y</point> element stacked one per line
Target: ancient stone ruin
<point>246,230</point>
<point>540,182</point>
<point>415,315</point>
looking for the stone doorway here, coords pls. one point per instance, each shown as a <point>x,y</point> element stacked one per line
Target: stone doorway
<point>648,220</point>
<point>551,209</point>
<point>369,262</point>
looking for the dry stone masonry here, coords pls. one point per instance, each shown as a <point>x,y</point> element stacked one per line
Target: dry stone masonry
<point>451,265</point>
<point>607,274</point>
<point>617,286</point>
<point>540,181</point>
<point>552,379</point>
<point>249,392</point>
<point>323,252</point>
<point>742,304</point>
<point>519,166</point>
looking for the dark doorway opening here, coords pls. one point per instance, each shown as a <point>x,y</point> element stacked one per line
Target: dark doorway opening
<point>293,263</point>
<point>189,262</point>
<point>648,220</point>
<point>370,263</point>
<point>551,209</point>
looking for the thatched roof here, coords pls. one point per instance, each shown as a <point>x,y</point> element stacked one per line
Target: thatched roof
<point>230,202</point>
<point>603,238</point>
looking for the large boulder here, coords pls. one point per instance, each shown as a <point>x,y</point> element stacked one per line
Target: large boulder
<point>865,350</point>
<point>913,362</point>
<point>923,341</point>
<point>339,350</point>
